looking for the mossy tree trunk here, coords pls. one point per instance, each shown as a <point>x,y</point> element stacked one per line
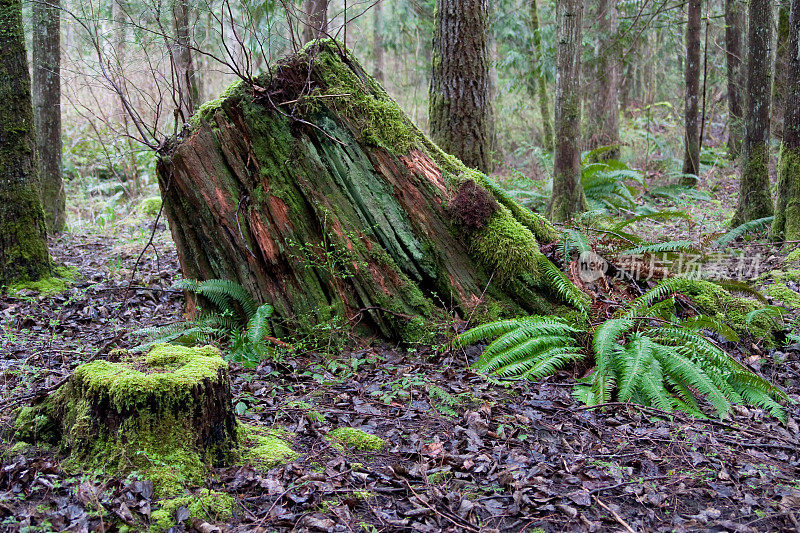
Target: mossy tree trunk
<point>459,105</point>
<point>754,195</point>
<point>568,198</point>
<point>23,243</point>
<point>345,209</point>
<point>780,71</point>
<point>537,82</point>
<point>734,22</point>
<point>691,136</point>
<point>603,119</point>
<point>787,212</point>
<point>46,86</point>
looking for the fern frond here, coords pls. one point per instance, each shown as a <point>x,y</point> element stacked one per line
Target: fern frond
<point>258,327</point>
<point>555,280</point>
<point>574,241</point>
<point>699,322</point>
<point>734,286</point>
<point>658,215</point>
<point>500,354</point>
<point>606,341</point>
<point>668,287</point>
<point>743,229</point>
<point>493,330</point>
<point>222,293</point>
<point>683,370</point>
<point>632,364</point>
<point>660,247</point>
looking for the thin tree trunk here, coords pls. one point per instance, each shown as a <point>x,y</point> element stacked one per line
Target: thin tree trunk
<point>537,83</point>
<point>316,25</point>
<point>786,225</point>
<point>568,197</point>
<point>691,153</point>
<point>23,232</point>
<point>754,195</point>
<point>377,40</point>
<point>459,106</point>
<point>780,70</point>
<point>188,93</point>
<point>733,56</point>
<point>120,36</point>
<point>47,110</point>
<point>603,124</point>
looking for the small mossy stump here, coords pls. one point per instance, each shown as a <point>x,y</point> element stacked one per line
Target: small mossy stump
<point>166,415</point>
<point>315,192</point>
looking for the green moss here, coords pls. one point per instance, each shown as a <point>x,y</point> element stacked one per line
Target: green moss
<point>779,290</point>
<point>64,276</point>
<point>263,447</point>
<point>441,477</point>
<point>213,507</point>
<point>794,255</point>
<point>506,247</point>
<point>126,387</point>
<point>150,206</point>
<point>206,111</point>
<point>352,438</point>
<point>33,425</point>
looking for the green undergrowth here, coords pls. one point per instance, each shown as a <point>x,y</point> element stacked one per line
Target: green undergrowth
<point>63,278</point>
<point>263,447</point>
<point>651,352</point>
<point>150,206</point>
<point>347,438</point>
<point>778,288</point>
<point>206,505</point>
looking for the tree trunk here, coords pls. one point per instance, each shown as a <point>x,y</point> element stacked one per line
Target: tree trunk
<point>377,41</point>
<point>346,210</point>
<point>603,124</point>
<point>568,198</point>
<point>754,195</point>
<point>23,244</point>
<point>780,70</point>
<point>459,107</point>
<point>537,83</point>
<point>733,56</point>
<point>691,153</point>
<point>187,88</point>
<point>786,225</point>
<point>316,25</point>
<point>47,110</point>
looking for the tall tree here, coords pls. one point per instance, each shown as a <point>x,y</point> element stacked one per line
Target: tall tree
<point>23,243</point>
<point>734,22</point>
<point>754,196</point>
<point>787,212</point>
<point>568,197</point>
<point>46,86</point>
<point>187,86</point>
<point>537,83</point>
<point>459,105</point>
<point>377,40</point>
<point>780,70</point>
<point>603,120</point>
<point>691,152</point>
<point>316,24</point>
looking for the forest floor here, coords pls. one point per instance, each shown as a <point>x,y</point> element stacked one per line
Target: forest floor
<point>463,454</point>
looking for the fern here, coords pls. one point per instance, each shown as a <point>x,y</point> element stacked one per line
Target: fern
<point>556,281</point>
<point>743,229</point>
<point>665,363</point>
<point>222,293</point>
<point>660,247</point>
<point>658,215</point>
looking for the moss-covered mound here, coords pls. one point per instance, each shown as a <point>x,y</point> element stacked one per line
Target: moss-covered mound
<point>355,439</point>
<point>166,415</point>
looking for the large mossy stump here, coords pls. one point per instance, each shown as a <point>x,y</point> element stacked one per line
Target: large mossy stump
<point>166,415</point>
<point>312,189</point>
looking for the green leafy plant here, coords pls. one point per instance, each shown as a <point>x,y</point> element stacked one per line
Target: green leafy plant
<point>234,316</point>
<point>604,181</point>
<point>645,354</point>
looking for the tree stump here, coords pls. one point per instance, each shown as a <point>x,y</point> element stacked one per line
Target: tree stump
<point>166,415</point>
<point>313,190</point>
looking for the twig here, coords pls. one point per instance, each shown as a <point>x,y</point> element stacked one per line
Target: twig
<point>617,517</point>
<point>426,504</point>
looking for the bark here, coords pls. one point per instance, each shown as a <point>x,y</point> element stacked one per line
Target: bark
<point>754,195</point>
<point>780,70</point>
<point>537,83</point>
<point>459,104</point>
<point>346,211</point>
<point>316,25</point>
<point>786,225</point>
<point>47,110</point>
<point>377,41</point>
<point>187,88</point>
<point>733,55</point>
<point>603,126</point>
<point>691,153</point>
<point>568,197</point>
<point>23,245</point>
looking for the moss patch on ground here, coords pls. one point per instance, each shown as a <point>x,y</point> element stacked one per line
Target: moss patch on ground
<point>63,277</point>
<point>779,290</point>
<point>150,206</point>
<point>355,439</point>
<point>210,506</point>
<point>263,447</point>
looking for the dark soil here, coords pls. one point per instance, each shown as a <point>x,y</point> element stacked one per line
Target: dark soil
<point>464,454</point>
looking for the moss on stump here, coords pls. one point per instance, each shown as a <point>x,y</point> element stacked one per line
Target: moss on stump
<point>166,415</point>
